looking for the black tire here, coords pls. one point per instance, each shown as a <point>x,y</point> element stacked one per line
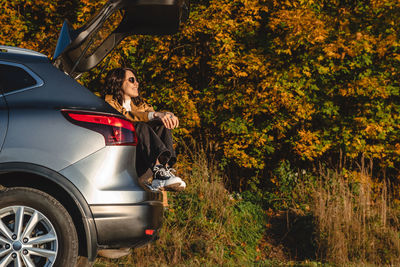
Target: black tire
<point>33,202</point>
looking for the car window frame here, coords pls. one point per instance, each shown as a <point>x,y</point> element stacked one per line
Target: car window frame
<point>39,81</point>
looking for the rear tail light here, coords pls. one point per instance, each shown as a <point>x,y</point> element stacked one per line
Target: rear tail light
<point>116,130</point>
<point>149,231</point>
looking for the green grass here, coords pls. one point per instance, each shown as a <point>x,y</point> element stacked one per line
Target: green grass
<point>204,225</point>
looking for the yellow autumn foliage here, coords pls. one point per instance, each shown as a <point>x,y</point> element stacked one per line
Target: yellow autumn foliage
<point>265,80</point>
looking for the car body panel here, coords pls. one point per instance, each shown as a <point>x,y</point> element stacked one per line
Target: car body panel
<point>59,91</point>
<point>3,120</point>
<point>108,176</point>
<point>44,137</point>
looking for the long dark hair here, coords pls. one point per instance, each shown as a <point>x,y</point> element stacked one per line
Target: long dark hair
<point>113,85</point>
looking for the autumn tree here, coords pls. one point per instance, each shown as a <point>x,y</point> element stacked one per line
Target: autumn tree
<point>257,81</point>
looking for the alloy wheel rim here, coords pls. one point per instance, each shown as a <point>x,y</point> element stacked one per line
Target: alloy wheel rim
<point>27,238</point>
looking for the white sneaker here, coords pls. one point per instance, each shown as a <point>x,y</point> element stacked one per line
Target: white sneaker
<point>164,179</point>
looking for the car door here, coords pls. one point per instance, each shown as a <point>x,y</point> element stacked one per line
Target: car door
<point>3,119</point>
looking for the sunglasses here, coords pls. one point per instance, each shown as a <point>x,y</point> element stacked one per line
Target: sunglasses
<point>132,79</point>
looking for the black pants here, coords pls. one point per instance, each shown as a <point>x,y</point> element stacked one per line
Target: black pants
<point>154,142</point>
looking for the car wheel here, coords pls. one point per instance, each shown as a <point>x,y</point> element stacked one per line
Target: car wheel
<point>35,230</point>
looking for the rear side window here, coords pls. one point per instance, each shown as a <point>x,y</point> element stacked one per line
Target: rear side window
<point>14,78</point>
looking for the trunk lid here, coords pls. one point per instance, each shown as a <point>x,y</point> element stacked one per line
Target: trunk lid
<point>80,50</point>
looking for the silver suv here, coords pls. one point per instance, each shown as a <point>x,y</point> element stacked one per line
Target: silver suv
<point>68,183</point>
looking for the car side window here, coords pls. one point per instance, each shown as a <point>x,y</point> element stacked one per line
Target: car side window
<point>14,78</point>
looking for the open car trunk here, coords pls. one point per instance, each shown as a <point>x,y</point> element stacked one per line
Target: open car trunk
<point>82,49</point>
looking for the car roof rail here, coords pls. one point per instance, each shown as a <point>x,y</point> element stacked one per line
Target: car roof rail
<point>18,50</point>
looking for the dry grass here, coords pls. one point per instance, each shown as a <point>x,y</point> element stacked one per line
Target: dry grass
<point>355,222</point>
<point>193,219</point>
<point>195,229</point>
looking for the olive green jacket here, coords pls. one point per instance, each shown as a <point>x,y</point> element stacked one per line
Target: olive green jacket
<point>137,113</point>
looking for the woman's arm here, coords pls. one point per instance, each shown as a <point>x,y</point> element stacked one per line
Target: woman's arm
<point>169,120</point>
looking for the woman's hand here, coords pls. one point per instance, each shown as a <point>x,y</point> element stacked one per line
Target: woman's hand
<point>169,120</point>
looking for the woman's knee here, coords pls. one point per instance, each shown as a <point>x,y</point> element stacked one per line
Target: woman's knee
<point>142,128</point>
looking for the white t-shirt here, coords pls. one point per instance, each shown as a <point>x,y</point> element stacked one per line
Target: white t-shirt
<point>126,104</point>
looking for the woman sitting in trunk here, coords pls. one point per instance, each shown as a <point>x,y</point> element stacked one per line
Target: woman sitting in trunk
<point>154,153</point>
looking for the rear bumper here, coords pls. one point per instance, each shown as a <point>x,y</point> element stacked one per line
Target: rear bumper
<point>125,225</point>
